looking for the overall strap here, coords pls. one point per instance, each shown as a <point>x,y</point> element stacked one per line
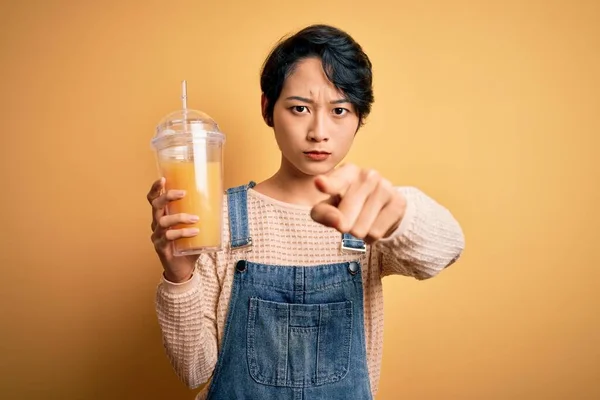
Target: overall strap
<point>351,243</point>
<point>237,202</point>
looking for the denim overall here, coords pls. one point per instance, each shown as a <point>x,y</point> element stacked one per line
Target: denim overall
<point>292,333</point>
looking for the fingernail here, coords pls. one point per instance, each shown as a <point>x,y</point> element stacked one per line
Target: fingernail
<point>194,218</point>
<point>181,193</point>
<point>194,231</point>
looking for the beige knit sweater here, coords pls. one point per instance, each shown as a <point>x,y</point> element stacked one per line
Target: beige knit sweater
<point>192,314</point>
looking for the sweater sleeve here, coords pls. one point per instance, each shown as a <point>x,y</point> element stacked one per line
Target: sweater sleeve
<point>428,239</point>
<point>187,316</point>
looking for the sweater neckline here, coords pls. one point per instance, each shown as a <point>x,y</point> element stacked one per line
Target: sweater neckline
<point>279,203</point>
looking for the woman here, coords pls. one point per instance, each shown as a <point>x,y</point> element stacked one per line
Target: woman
<point>293,306</point>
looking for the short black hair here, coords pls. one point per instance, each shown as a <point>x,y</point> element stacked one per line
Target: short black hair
<point>345,64</point>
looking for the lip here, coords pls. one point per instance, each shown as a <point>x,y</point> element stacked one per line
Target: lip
<point>317,155</point>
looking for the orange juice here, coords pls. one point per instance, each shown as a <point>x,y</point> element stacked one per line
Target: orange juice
<point>202,181</point>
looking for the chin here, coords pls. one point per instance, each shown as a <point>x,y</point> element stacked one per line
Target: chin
<point>314,169</point>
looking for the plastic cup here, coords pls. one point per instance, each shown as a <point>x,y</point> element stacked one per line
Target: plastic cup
<point>189,151</point>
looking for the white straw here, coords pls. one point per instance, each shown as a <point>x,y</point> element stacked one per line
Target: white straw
<point>184,94</point>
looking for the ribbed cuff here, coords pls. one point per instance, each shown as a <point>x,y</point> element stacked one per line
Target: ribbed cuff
<point>182,287</point>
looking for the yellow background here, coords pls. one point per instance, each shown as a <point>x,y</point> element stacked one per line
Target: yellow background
<point>491,107</point>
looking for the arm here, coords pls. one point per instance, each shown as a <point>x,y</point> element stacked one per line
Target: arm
<point>187,317</point>
<point>427,240</point>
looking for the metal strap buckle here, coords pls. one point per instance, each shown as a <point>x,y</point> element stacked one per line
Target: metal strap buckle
<point>245,245</point>
<point>362,249</point>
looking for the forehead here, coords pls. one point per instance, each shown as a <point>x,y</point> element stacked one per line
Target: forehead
<point>309,79</point>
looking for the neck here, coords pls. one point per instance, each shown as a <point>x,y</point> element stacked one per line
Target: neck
<point>291,186</point>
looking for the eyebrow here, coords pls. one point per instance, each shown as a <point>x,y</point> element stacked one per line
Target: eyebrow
<point>309,101</point>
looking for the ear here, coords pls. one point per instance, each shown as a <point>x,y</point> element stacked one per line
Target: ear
<point>263,105</point>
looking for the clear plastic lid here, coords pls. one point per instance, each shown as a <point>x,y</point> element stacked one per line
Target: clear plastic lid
<point>186,126</point>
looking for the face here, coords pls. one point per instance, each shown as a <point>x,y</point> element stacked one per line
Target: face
<point>314,122</point>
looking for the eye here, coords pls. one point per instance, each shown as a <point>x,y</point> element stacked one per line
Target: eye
<point>299,109</point>
<point>339,111</point>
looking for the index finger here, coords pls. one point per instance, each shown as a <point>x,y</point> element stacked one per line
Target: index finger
<point>155,190</point>
<point>327,213</point>
<point>338,182</point>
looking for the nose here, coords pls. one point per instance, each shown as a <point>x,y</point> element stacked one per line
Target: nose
<point>317,131</point>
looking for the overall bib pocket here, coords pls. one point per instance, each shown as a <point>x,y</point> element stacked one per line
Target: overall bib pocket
<point>298,345</point>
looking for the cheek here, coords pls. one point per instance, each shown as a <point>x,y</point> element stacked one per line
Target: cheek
<point>349,132</point>
<point>280,119</point>
<point>347,143</point>
<point>287,127</point>
<point>284,135</point>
